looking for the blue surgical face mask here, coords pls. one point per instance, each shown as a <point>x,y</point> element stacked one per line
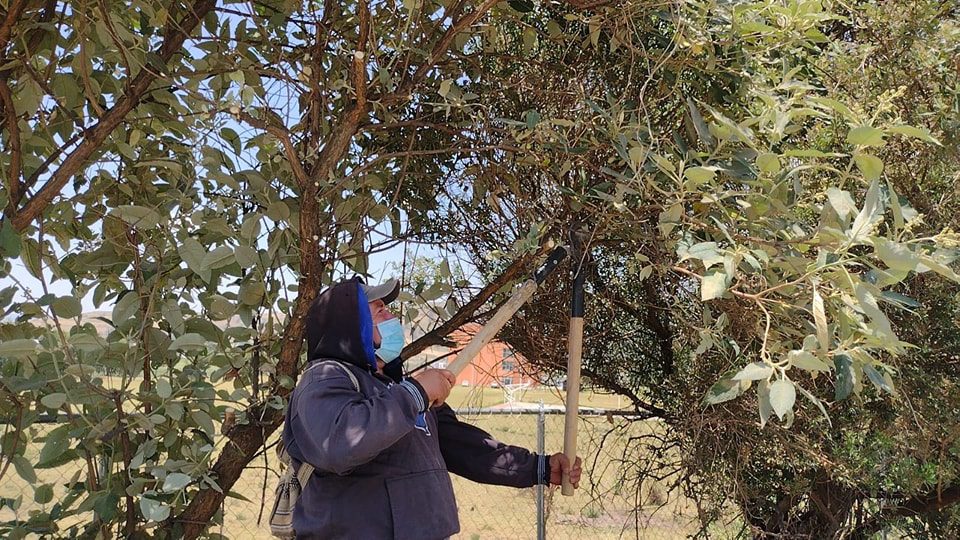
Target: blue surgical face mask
<point>391,339</point>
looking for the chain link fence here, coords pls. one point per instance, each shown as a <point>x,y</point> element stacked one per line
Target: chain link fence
<point>611,501</point>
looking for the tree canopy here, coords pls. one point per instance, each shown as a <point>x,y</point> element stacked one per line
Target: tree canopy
<point>769,189</point>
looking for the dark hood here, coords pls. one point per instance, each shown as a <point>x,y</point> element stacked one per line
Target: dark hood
<point>339,326</point>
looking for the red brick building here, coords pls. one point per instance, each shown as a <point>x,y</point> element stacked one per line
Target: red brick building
<point>496,365</point>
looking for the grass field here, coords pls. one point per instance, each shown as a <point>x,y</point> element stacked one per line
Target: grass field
<point>602,508</point>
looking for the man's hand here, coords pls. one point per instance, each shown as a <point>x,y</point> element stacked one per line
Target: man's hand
<point>436,383</point>
<point>560,463</point>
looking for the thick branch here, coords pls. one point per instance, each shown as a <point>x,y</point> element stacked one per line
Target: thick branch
<point>14,186</point>
<point>174,36</point>
<point>465,313</point>
<point>360,55</point>
<point>917,506</point>
<point>14,12</point>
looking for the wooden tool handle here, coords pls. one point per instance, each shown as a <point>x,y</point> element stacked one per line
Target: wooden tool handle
<point>575,354</point>
<point>520,295</point>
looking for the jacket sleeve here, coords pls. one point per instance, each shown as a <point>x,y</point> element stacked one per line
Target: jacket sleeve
<point>337,428</point>
<point>474,454</point>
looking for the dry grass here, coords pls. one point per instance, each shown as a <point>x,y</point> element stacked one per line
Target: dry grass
<point>602,508</point>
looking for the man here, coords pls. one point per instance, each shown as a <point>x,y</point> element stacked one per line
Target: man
<point>382,451</point>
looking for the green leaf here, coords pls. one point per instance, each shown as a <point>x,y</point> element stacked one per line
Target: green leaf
<point>250,229</point>
<point>278,211</point>
<point>895,255</point>
<point>192,252</point>
<point>878,319</point>
<point>445,87</point>
<point>807,361</point>
<point>899,300</point>
<point>816,402</point>
<point>9,240</point>
<point>218,258</point>
<point>203,420</point>
<point>872,208</point>
<point>723,390</point>
<point>24,469</point>
<point>782,397</point>
<point>234,495</point>
<point>106,505</point>
<point>154,510</point>
<point>836,106</point>
<point>57,443</point>
<point>175,482</point>
<point>125,308</point>
<point>870,166</point>
<point>842,203</point>
<point>67,307</point>
<point>704,251</point>
<point>54,401</point>
<point>252,292</point>
<point>865,136</point>
<point>669,218</point>
<point>189,341</point>
<point>701,127</point>
<point>820,319</point>
<point>929,263</point>
<point>139,217</point>
<point>713,285</point>
<point>768,163</point>
<point>164,390</point>
<point>43,494</point>
<point>247,257</point>
<point>915,132</point>
<point>697,176</point>
<point>637,154</point>
<point>877,379</point>
<point>763,398</point>
<point>17,348</point>
<point>846,378</point>
<point>754,371</point>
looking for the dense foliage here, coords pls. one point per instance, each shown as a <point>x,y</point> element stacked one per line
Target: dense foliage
<point>768,190</point>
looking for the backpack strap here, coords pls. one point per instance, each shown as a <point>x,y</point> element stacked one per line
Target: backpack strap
<point>306,469</point>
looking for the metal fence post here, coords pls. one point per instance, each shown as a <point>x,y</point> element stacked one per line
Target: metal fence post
<point>541,511</point>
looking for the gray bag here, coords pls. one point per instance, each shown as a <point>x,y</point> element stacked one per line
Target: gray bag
<point>292,481</point>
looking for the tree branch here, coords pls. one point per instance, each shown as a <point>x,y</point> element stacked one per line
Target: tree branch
<point>917,506</point>
<point>14,12</point>
<point>360,55</point>
<point>465,313</point>
<point>14,186</point>
<point>289,150</point>
<point>441,47</point>
<point>175,34</point>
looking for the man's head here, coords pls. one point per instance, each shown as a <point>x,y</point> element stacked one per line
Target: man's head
<point>347,321</point>
<point>387,332</point>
